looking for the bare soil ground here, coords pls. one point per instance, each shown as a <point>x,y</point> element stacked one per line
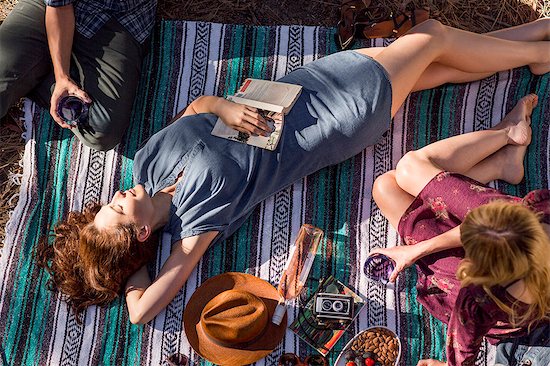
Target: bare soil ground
<point>474,15</point>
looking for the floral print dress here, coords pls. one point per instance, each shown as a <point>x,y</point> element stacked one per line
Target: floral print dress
<point>469,312</point>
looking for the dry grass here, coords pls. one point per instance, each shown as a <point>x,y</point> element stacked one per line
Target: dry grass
<point>11,154</point>
<point>474,15</point>
<point>5,8</point>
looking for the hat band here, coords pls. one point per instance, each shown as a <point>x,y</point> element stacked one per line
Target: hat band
<point>233,345</point>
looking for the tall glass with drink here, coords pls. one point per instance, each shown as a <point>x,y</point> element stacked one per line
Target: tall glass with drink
<point>297,268</point>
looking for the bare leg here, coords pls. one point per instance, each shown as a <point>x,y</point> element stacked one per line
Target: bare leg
<point>437,74</point>
<point>509,159</point>
<point>408,57</point>
<point>506,164</point>
<point>390,198</point>
<point>463,153</point>
<point>538,30</point>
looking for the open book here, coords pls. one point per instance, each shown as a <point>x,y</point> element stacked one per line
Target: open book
<point>273,100</point>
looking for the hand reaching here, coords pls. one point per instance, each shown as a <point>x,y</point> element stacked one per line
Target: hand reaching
<point>63,88</point>
<point>403,256</point>
<point>243,118</point>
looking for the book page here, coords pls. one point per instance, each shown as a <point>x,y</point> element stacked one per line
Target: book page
<point>269,107</point>
<point>272,92</point>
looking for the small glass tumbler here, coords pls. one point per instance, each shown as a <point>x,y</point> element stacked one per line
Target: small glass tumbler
<point>177,359</point>
<point>379,267</point>
<point>72,109</point>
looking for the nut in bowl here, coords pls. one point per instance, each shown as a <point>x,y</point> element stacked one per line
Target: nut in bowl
<point>373,346</point>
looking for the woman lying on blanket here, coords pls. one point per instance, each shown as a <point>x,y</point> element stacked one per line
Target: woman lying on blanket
<point>201,188</point>
<point>482,255</point>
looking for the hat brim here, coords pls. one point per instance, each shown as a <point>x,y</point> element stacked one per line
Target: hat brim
<point>224,355</point>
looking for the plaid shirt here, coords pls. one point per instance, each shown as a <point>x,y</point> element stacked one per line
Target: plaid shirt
<point>137,16</point>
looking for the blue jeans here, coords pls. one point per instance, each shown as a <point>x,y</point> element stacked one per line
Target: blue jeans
<point>530,350</point>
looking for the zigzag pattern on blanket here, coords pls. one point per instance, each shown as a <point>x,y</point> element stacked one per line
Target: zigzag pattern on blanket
<point>189,59</point>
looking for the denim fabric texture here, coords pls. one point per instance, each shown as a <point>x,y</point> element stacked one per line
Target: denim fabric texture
<point>343,108</point>
<point>530,350</point>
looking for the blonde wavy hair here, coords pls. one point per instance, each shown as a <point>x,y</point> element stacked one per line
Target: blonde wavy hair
<point>505,242</point>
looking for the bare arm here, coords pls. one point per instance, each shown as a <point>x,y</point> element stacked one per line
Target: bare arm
<point>145,299</point>
<point>237,116</point>
<point>448,240</point>
<point>204,104</point>
<point>60,24</point>
<point>406,255</point>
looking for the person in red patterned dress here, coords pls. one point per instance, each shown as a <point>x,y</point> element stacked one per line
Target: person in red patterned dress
<point>481,255</point>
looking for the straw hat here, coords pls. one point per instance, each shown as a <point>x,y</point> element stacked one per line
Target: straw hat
<point>228,319</point>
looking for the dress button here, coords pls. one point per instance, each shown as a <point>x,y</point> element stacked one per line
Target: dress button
<point>526,363</point>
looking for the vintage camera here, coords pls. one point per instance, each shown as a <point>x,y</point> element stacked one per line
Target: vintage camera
<point>330,307</point>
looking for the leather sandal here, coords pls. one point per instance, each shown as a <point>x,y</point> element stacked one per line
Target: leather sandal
<point>360,20</point>
<point>350,13</point>
<point>398,25</point>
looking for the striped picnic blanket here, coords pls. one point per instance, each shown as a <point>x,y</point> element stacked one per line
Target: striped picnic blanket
<point>188,59</point>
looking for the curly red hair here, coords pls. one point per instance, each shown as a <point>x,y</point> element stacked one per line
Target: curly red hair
<point>90,266</point>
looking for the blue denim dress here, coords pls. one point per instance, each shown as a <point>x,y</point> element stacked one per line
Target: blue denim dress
<point>344,107</point>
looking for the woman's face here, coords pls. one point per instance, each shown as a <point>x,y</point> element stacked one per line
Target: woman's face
<point>133,206</point>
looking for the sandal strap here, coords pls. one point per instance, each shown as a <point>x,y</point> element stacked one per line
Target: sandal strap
<point>361,3</point>
<point>397,25</point>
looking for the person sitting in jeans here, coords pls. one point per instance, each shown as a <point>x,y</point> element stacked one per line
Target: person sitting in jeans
<point>42,55</point>
<point>530,350</point>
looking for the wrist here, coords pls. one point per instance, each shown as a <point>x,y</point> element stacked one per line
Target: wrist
<point>62,77</point>
<point>421,249</point>
<point>218,105</point>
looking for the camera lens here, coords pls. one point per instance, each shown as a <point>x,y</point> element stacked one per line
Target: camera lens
<point>326,305</point>
<point>337,306</point>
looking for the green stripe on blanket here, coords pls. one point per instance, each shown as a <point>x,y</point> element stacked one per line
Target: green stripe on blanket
<point>189,59</point>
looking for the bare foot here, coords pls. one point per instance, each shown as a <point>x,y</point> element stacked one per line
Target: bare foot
<point>520,133</point>
<point>540,69</point>
<point>522,110</point>
<point>543,25</point>
<point>543,68</point>
<point>518,121</point>
<point>510,161</point>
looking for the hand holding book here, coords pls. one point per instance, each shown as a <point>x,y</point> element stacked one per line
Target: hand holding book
<point>259,106</point>
<point>242,118</point>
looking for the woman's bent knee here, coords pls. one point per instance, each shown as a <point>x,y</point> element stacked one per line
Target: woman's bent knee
<point>407,167</point>
<point>431,26</point>
<point>104,129</point>
<point>102,138</point>
<point>383,185</point>
<point>434,28</point>
<point>100,142</point>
